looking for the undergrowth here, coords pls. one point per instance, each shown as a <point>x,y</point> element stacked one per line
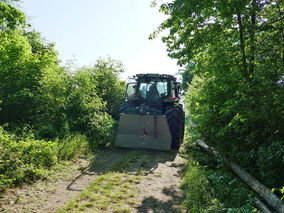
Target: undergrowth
<point>24,159</point>
<point>208,185</point>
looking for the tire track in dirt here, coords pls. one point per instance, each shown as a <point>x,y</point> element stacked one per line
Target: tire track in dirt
<point>69,189</point>
<point>158,190</point>
<point>47,196</point>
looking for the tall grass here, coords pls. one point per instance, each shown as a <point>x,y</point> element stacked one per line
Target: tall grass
<point>23,159</point>
<point>208,186</point>
<point>198,194</point>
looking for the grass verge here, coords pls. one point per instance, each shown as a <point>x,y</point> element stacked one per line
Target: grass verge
<point>209,186</point>
<point>113,191</point>
<point>26,197</point>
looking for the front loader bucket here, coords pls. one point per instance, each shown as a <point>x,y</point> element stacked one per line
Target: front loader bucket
<point>144,131</point>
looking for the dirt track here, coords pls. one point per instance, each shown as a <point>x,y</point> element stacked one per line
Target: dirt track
<point>157,191</point>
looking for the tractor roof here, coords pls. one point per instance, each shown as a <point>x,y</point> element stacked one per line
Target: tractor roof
<point>153,75</point>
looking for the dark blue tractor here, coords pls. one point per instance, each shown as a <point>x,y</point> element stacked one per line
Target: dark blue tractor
<point>151,113</point>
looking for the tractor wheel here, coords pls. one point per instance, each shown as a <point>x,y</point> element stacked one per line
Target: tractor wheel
<point>175,118</point>
<point>182,127</point>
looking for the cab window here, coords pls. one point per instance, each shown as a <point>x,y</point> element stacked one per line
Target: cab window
<point>153,89</point>
<point>130,91</point>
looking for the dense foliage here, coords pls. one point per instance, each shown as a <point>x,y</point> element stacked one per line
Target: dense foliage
<point>108,86</point>
<point>61,109</point>
<point>10,16</point>
<point>22,67</point>
<point>209,186</point>
<point>235,100</point>
<point>24,158</point>
<point>187,76</point>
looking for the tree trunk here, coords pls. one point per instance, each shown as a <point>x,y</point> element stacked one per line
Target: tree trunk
<point>252,37</point>
<point>258,204</point>
<point>281,28</point>
<point>242,45</point>
<point>263,191</point>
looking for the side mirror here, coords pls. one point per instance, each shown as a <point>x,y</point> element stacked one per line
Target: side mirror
<point>178,88</point>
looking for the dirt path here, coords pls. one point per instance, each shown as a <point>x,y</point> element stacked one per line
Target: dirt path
<point>157,190</point>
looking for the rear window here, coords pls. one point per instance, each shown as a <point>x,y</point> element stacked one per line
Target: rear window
<point>153,89</point>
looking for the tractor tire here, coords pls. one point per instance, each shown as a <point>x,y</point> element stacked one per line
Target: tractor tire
<point>182,127</point>
<point>175,118</point>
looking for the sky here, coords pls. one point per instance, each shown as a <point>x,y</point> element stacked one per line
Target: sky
<point>85,30</point>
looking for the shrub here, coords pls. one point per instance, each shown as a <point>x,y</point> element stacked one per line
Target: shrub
<point>211,187</point>
<point>239,123</point>
<point>270,164</point>
<point>23,159</point>
<point>108,86</point>
<point>71,104</point>
<point>22,64</point>
<point>72,147</point>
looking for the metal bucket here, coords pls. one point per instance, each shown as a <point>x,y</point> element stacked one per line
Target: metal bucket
<point>144,131</point>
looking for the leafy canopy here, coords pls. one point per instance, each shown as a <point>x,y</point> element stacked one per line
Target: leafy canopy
<point>234,100</point>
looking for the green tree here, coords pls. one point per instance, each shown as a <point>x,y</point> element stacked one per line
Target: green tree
<point>69,103</point>
<point>10,17</point>
<point>186,75</point>
<point>238,51</point>
<point>20,72</point>
<point>55,102</point>
<point>109,87</point>
<point>24,59</point>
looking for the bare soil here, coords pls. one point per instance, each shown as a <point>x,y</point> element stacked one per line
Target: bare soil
<point>158,190</point>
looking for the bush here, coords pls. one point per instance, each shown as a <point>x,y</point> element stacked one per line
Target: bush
<point>270,164</point>
<point>79,104</point>
<point>109,87</point>
<point>198,195</point>
<point>22,66</point>
<point>23,159</point>
<point>239,123</point>
<point>72,147</point>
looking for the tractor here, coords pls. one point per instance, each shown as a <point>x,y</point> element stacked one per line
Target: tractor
<point>151,115</point>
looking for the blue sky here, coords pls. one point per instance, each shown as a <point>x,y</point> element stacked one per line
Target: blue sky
<point>88,29</point>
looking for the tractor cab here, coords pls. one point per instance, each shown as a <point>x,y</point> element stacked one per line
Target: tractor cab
<point>150,92</point>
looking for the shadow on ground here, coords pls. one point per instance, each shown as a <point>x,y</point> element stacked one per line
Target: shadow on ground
<point>105,161</point>
<point>132,161</point>
<point>151,204</point>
